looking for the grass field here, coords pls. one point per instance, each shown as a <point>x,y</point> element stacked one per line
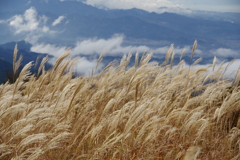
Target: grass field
<point>147,111</point>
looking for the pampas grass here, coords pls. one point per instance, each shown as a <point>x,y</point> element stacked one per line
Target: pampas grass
<point>148,111</point>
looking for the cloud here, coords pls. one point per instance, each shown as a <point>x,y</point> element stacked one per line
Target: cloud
<point>94,47</point>
<point>176,9</point>
<point>229,73</point>
<point>112,46</point>
<point>85,66</point>
<point>150,5</point>
<point>49,49</point>
<point>158,6</point>
<point>176,6</point>
<point>127,4</point>
<point>232,69</point>
<point>58,20</point>
<point>26,22</point>
<point>225,52</point>
<point>30,25</point>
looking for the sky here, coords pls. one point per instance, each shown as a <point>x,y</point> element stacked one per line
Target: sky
<point>178,5</point>
<point>32,26</point>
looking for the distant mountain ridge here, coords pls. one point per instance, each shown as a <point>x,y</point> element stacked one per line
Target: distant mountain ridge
<point>86,21</point>
<point>22,45</point>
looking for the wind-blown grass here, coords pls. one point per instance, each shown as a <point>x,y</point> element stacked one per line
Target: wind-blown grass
<point>148,111</point>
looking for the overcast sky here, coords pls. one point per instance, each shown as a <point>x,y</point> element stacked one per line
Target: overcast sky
<point>153,5</point>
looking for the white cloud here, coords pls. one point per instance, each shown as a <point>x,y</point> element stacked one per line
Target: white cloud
<point>176,9</point>
<point>225,52</point>
<point>177,6</point>
<point>58,20</point>
<point>85,66</point>
<point>112,46</point>
<point>91,47</point>
<point>26,22</point>
<point>229,73</point>
<point>158,6</point>
<point>32,37</point>
<point>232,69</point>
<point>127,4</point>
<point>96,46</point>
<point>49,49</point>
<point>30,25</point>
<point>45,29</point>
<point>43,19</point>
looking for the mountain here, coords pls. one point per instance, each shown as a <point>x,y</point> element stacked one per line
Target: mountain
<point>22,45</point>
<point>50,6</point>
<point>85,21</point>
<point>5,68</point>
<point>79,21</point>
<point>6,52</point>
<point>132,27</point>
<point>216,16</point>
<point>6,58</point>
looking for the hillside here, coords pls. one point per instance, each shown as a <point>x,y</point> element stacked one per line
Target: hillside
<point>5,68</point>
<point>147,111</point>
<point>6,58</point>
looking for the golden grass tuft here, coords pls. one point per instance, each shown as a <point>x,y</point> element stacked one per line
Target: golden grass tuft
<point>148,111</point>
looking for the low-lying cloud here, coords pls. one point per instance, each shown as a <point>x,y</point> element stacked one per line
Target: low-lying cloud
<point>50,49</point>
<point>177,6</point>
<point>112,46</point>
<point>150,5</point>
<point>85,66</point>
<point>158,6</point>
<point>94,47</point>
<point>225,52</point>
<point>231,68</point>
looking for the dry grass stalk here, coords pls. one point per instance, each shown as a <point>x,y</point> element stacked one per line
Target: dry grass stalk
<point>145,111</point>
<point>182,54</point>
<point>194,48</point>
<point>16,63</point>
